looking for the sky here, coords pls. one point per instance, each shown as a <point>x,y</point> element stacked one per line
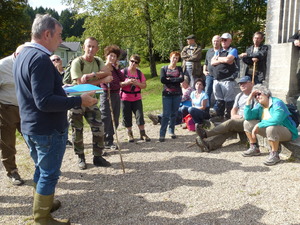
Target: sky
<point>54,4</point>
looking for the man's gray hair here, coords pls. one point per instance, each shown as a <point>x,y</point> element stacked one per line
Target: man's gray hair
<point>263,89</point>
<point>42,23</point>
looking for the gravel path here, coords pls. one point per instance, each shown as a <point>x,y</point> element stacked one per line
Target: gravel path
<point>164,183</point>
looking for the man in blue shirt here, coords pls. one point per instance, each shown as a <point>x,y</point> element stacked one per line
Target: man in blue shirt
<point>43,109</point>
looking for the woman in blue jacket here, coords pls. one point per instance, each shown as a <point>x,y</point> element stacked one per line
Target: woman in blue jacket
<point>269,118</point>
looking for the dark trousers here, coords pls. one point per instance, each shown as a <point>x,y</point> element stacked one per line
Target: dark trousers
<point>136,108</point>
<point>106,114</point>
<point>9,123</point>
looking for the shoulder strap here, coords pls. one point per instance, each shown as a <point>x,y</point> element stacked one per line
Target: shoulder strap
<point>98,62</point>
<point>81,63</point>
<point>125,71</point>
<point>139,74</point>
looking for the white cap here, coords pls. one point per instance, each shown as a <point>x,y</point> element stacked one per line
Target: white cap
<point>226,36</point>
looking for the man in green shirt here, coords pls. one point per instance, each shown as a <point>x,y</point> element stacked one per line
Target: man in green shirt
<point>93,72</point>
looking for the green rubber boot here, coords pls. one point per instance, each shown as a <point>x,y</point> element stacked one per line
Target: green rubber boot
<point>42,205</point>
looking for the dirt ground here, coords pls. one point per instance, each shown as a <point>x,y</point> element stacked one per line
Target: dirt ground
<point>163,183</point>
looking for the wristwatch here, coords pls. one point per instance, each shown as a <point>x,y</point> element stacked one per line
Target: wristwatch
<point>94,74</point>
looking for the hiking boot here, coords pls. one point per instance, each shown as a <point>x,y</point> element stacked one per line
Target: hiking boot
<point>161,139</point>
<point>252,151</point>
<point>130,136</point>
<point>110,145</point>
<point>153,118</point>
<point>144,136</point>
<point>15,178</point>
<point>100,161</point>
<point>173,136</point>
<point>272,159</point>
<point>200,131</point>
<point>202,144</point>
<point>81,162</point>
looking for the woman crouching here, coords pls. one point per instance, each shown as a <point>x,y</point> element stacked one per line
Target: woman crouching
<point>269,118</point>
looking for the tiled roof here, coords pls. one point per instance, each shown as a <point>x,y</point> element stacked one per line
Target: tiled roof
<point>73,46</point>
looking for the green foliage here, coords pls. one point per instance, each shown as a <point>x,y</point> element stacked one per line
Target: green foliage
<point>14,24</point>
<point>72,25</point>
<point>152,100</point>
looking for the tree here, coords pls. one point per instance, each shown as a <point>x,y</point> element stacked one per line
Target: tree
<point>15,25</point>
<point>72,25</point>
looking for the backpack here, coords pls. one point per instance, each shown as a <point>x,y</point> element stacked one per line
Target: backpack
<point>132,89</point>
<point>67,75</point>
<point>190,124</point>
<point>295,116</point>
<point>138,72</point>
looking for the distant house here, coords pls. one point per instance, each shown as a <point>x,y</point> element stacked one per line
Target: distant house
<point>67,50</point>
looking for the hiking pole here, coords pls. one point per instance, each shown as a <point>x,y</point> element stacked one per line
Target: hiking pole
<point>114,126</point>
<point>253,73</point>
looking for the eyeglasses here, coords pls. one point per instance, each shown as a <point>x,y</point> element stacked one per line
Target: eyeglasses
<point>132,61</point>
<point>57,59</point>
<point>258,94</point>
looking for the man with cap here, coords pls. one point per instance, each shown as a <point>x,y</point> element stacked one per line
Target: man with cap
<point>257,53</point>
<point>225,70</point>
<point>209,140</point>
<point>191,55</point>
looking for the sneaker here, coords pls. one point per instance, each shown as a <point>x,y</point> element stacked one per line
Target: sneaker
<point>153,118</point>
<point>200,131</point>
<point>173,136</point>
<point>272,159</point>
<point>252,151</point>
<point>202,144</point>
<point>82,164</point>
<point>15,178</point>
<point>100,161</point>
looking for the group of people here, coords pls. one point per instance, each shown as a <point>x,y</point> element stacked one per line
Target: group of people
<point>35,103</point>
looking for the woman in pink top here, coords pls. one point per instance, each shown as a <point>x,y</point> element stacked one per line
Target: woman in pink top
<point>131,99</point>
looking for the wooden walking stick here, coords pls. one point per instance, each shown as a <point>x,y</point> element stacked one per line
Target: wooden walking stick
<point>253,73</point>
<point>114,126</point>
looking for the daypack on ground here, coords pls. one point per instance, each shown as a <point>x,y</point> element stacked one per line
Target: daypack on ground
<point>67,76</point>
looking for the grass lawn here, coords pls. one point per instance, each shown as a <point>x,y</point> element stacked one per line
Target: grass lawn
<point>152,94</point>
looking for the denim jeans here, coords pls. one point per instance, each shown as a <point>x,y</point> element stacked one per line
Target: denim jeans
<point>198,115</point>
<point>170,110</point>
<point>209,80</point>
<point>47,152</point>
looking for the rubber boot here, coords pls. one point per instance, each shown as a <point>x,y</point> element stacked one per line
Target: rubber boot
<point>130,136</point>
<point>144,136</point>
<point>41,211</point>
<point>56,203</point>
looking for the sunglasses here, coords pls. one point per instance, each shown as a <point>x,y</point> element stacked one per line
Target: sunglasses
<point>258,94</point>
<point>132,61</point>
<point>57,59</point>
<point>224,40</point>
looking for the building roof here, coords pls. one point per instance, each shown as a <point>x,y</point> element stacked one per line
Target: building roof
<point>73,46</point>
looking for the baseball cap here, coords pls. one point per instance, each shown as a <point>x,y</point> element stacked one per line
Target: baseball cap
<point>245,79</point>
<point>192,36</point>
<point>226,36</point>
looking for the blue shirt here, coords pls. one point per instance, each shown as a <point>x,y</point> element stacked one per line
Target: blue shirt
<point>42,101</point>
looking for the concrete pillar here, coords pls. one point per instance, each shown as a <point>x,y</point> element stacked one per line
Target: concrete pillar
<point>283,20</point>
